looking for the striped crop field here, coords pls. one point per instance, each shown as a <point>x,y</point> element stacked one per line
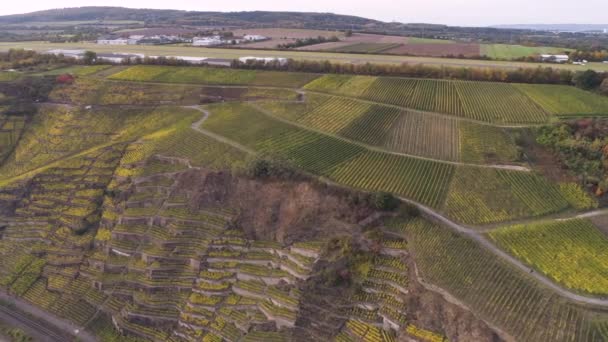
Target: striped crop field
<point>485,195</point>
<point>203,75</point>
<point>484,101</point>
<point>408,132</point>
<point>486,144</point>
<point>425,135</point>
<point>573,253</point>
<point>566,100</point>
<point>422,180</point>
<point>501,294</point>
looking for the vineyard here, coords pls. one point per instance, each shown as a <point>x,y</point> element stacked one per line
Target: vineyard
<point>202,75</point>
<point>485,195</point>
<point>573,252</point>
<point>408,132</point>
<point>565,100</point>
<point>58,131</point>
<point>349,164</point>
<point>490,102</point>
<point>503,295</point>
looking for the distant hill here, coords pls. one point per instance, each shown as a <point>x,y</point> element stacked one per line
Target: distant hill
<point>193,18</point>
<point>557,27</point>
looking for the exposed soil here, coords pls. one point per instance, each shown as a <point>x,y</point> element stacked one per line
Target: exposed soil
<point>601,221</point>
<point>544,160</point>
<point>437,50</point>
<point>278,210</point>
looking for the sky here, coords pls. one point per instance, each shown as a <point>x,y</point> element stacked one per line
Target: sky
<point>450,12</point>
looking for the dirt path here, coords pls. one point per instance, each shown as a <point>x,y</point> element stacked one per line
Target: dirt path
<point>479,238</point>
<point>197,127</point>
<point>469,232</point>
<point>378,149</point>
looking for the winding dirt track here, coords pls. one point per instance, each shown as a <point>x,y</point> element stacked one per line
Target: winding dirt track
<point>469,232</point>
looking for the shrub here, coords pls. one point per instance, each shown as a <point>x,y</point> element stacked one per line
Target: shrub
<point>385,201</point>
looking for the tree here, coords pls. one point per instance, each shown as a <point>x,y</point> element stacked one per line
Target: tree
<point>90,57</point>
<point>385,201</point>
<point>604,87</point>
<point>587,79</point>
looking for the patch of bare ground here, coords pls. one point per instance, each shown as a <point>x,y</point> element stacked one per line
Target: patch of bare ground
<point>437,50</point>
<point>544,160</point>
<point>601,221</point>
<point>280,210</point>
<point>279,33</point>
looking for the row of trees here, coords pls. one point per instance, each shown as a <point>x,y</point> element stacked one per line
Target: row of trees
<point>546,75</point>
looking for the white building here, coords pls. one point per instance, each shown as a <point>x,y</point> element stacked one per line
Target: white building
<point>78,54</point>
<point>555,58</point>
<point>281,60</point>
<point>118,41</point>
<point>207,41</point>
<point>254,37</point>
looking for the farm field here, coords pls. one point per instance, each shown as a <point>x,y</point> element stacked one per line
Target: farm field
<point>349,164</point>
<point>564,100</point>
<point>573,253</point>
<point>366,48</point>
<point>489,102</point>
<point>501,294</point>
<point>76,70</point>
<point>194,75</point>
<point>504,51</point>
<point>408,132</point>
<point>302,55</point>
<point>434,49</point>
<point>485,195</point>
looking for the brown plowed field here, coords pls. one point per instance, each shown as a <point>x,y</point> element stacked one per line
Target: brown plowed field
<point>437,50</point>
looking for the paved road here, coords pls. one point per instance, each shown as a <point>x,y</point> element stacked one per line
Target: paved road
<point>32,328</point>
<point>57,328</point>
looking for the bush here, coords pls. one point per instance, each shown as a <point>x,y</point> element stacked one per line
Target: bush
<point>587,79</point>
<point>385,201</point>
<point>604,87</point>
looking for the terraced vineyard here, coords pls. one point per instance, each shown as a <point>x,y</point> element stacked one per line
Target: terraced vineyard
<point>501,294</point>
<point>573,252</point>
<point>490,102</point>
<point>202,75</point>
<point>58,131</point>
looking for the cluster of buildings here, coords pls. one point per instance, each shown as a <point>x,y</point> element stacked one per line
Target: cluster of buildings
<point>219,40</point>
<point>141,40</point>
<point>166,39</point>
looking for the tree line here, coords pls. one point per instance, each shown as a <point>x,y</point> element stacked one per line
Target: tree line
<point>542,75</point>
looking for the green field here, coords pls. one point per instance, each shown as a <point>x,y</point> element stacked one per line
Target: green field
<point>505,51</point>
<point>573,253</point>
<point>498,292</point>
<point>490,102</point>
<point>366,47</point>
<point>200,75</point>
<point>565,100</point>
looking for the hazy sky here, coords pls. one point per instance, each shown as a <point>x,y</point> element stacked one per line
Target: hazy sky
<point>453,12</point>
